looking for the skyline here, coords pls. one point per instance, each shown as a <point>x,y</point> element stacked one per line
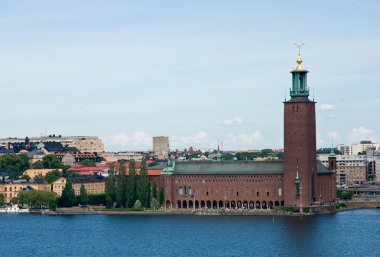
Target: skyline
<point>196,72</point>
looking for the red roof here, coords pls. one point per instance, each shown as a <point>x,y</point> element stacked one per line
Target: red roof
<point>82,169</point>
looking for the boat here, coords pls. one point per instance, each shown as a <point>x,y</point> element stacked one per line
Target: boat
<point>14,209</point>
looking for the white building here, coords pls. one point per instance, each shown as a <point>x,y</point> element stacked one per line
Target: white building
<point>114,157</point>
<point>355,149</point>
<point>84,144</point>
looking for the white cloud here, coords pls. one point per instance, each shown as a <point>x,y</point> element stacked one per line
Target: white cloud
<point>201,137</point>
<point>326,107</point>
<point>361,133</point>
<point>123,141</point>
<point>243,140</point>
<point>234,122</point>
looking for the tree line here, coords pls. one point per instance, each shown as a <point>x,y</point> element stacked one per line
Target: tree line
<point>131,191</point>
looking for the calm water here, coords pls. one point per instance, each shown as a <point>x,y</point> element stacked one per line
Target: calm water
<point>351,233</point>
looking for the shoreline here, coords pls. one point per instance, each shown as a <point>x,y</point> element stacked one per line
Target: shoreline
<point>184,213</point>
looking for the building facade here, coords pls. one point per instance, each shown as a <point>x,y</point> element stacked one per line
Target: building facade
<point>350,170</point>
<point>12,188</point>
<point>85,144</point>
<point>93,184</point>
<point>161,147</point>
<point>355,149</point>
<point>299,180</point>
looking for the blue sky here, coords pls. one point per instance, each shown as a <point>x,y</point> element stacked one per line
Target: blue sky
<point>196,71</point>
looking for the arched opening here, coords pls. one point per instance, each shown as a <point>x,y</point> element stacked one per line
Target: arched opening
<point>270,205</point>
<point>214,205</point>
<point>245,205</point>
<point>276,203</point>
<point>167,205</point>
<point>251,205</point>
<point>184,204</point>
<point>263,204</point>
<point>196,204</point>
<point>191,204</point>
<point>282,203</point>
<point>209,204</point>
<point>258,205</point>
<point>179,205</point>
<point>220,204</point>
<point>227,204</point>
<point>233,205</point>
<point>239,204</point>
<point>203,204</point>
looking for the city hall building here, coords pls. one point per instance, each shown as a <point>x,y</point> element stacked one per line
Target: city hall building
<point>299,180</point>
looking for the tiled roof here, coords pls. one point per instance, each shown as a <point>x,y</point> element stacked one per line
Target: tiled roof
<point>229,167</point>
<point>236,167</point>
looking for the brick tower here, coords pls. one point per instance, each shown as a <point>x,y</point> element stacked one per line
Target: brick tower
<point>300,165</point>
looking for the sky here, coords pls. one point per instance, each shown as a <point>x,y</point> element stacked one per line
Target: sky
<point>197,71</point>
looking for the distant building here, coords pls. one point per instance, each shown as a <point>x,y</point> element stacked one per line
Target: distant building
<point>355,149</point>
<point>12,188</point>
<point>126,156</point>
<point>161,147</point>
<point>72,158</point>
<point>93,184</point>
<point>373,165</point>
<point>33,173</point>
<point>84,144</point>
<point>350,170</point>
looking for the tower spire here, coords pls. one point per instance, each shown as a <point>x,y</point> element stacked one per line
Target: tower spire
<point>299,77</point>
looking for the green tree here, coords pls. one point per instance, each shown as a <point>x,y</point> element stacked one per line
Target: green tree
<point>121,187</point>
<point>110,189</point>
<point>132,184</point>
<point>88,163</point>
<point>37,199</point>
<point>154,191</point>
<point>25,177</point>
<point>137,206</point>
<point>143,185</point>
<point>53,175</point>
<point>68,198</point>
<point>69,174</point>
<point>83,199</point>
<point>38,165</point>
<point>14,164</point>
<point>155,204</point>
<point>51,162</point>
<point>162,196</point>
<point>2,199</point>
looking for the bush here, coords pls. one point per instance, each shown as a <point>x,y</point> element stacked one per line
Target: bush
<point>97,199</point>
<point>155,204</point>
<point>344,194</point>
<point>341,206</point>
<point>306,209</point>
<point>288,209</point>
<point>137,205</point>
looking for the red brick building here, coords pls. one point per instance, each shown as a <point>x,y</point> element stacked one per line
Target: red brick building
<point>298,181</point>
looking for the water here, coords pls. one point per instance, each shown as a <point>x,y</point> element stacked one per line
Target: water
<point>350,233</point>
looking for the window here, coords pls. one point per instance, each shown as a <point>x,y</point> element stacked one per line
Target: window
<point>279,192</point>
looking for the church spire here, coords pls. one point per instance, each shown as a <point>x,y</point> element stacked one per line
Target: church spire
<point>299,77</point>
